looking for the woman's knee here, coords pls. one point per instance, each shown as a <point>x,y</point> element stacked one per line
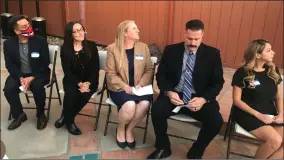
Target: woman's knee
<point>128,108</point>
<point>70,95</point>
<point>142,107</point>
<point>275,141</point>
<point>144,103</point>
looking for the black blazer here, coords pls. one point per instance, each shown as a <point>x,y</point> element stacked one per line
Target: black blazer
<point>73,73</point>
<point>39,65</point>
<point>207,75</point>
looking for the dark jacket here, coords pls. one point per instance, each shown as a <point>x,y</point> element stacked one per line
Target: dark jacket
<point>207,75</point>
<point>39,65</point>
<point>76,71</point>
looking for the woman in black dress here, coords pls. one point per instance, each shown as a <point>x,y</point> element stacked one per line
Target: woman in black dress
<point>80,63</point>
<point>257,93</point>
<point>128,65</point>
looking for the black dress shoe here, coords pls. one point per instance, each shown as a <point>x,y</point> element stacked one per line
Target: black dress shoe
<point>41,122</point>
<point>60,122</point>
<point>120,144</point>
<point>194,153</point>
<point>131,145</point>
<point>160,154</point>
<point>73,129</point>
<point>18,121</point>
<point>193,157</point>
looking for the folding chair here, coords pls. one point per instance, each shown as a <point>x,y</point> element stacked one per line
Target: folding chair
<point>100,91</point>
<point>234,130</point>
<point>111,103</point>
<point>53,51</point>
<point>183,118</point>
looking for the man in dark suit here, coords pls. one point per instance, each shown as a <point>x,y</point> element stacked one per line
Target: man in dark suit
<point>190,74</point>
<point>27,60</point>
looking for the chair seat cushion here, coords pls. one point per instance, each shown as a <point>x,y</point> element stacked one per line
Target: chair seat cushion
<point>109,101</point>
<point>240,130</point>
<point>183,117</point>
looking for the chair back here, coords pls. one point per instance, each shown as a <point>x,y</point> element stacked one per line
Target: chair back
<point>154,60</point>
<point>53,51</point>
<point>102,56</point>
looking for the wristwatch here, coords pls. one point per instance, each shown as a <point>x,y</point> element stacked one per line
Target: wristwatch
<point>166,93</point>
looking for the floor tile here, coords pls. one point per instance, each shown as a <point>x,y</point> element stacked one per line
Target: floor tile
<point>58,157</point>
<point>85,143</point>
<point>142,153</point>
<point>91,156</point>
<point>236,146</point>
<point>79,157</point>
<point>213,151</point>
<point>121,154</point>
<point>179,151</point>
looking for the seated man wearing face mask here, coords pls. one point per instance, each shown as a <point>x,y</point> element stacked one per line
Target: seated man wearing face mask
<point>26,59</point>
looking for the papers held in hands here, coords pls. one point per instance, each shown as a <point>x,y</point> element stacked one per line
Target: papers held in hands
<point>21,88</point>
<point>178,108</point>
<point>147,90</point>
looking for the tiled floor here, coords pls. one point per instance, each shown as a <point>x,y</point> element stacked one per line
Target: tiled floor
<point>93,144</point>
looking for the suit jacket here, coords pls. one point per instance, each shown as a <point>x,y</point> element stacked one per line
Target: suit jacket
<point>118,77</point>
<point>39,65</point>
<point>73,72</point>
<point>207,74</point>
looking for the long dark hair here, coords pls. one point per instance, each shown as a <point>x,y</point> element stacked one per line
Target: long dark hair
<point>68,47</point>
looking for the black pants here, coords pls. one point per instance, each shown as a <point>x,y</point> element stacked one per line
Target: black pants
<point>11,92</point>
<point>209,116</point>
<point>74,101</point>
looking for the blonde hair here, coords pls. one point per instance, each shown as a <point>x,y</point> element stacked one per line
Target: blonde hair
<point>119,39</point>
<point>254,47</point>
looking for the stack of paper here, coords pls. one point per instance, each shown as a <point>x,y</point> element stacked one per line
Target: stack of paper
<point>147,90</point>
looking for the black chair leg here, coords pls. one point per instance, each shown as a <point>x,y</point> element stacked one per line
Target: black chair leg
<point>146,126</point>
<point>99,111</point>
<point>57,89</point>
<point>107,120</point>
<point>27,97</point>
<point>226,131</point>
<point>229,141</point>
<point>49,101</point>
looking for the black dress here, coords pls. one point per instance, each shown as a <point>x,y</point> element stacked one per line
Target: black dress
<point>260,98</point>
<point>119,98</point>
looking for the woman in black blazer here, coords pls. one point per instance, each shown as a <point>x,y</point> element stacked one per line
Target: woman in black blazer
<point>80,63</point>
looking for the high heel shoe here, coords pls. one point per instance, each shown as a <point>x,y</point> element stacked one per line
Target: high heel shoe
<point>131,145</point>
<point>120,144</point>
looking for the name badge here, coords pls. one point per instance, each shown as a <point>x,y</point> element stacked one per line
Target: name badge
<point>256,82</point>
<point>139,57</point>
<point>35,55</point>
